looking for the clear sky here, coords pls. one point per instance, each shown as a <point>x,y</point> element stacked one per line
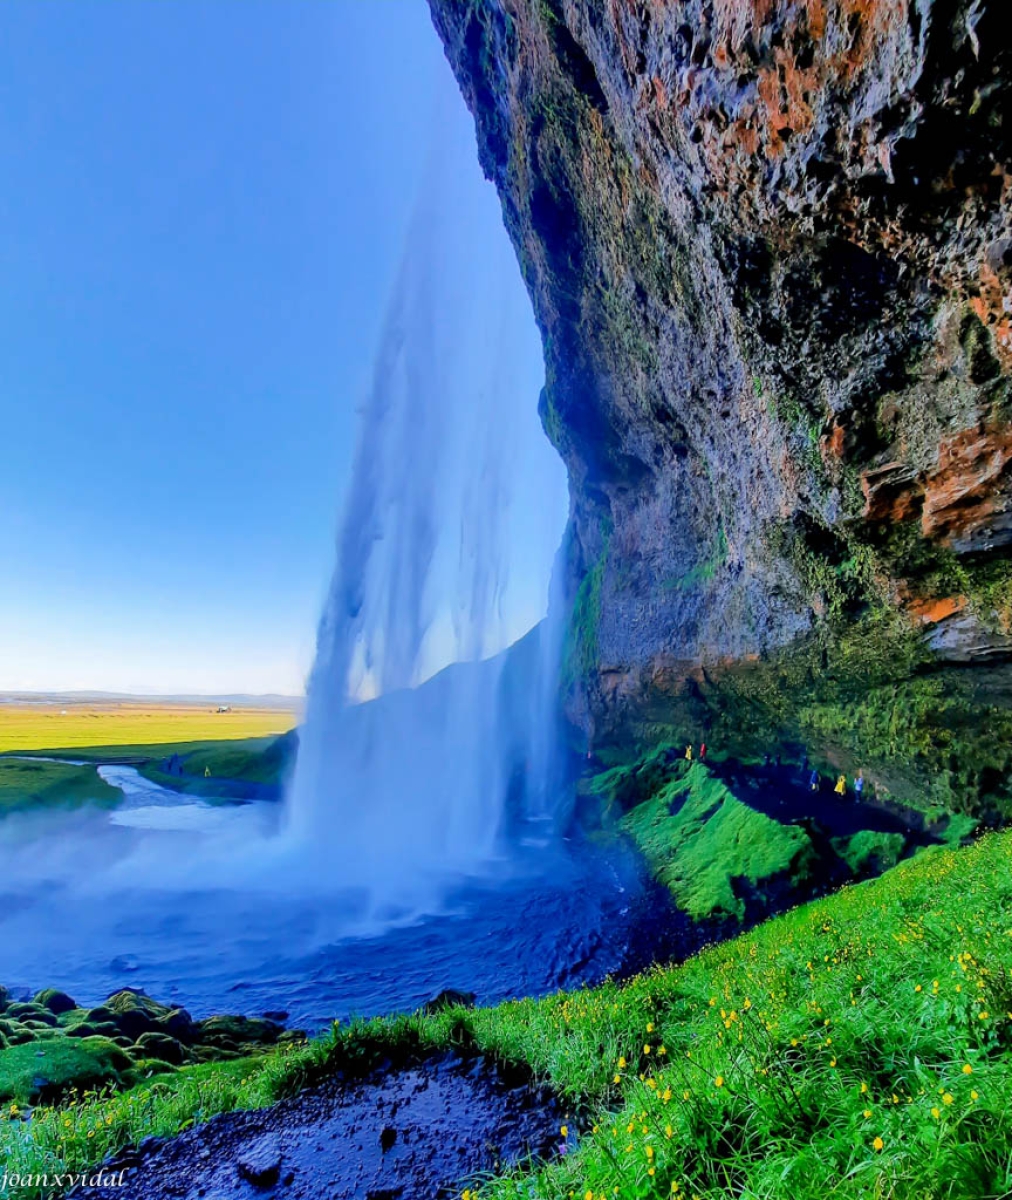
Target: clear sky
<point>202,207</point>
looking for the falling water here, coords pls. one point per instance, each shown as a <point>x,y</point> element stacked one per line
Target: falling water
<point>455,504</point>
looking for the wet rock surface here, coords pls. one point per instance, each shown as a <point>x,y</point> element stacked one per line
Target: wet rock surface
<point>411,1133</point>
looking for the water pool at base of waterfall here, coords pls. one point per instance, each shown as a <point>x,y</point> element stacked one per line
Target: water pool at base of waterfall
<point>549,914</point>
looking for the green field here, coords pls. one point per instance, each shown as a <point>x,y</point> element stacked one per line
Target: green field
<point>32,727</point>
<point>857,1046</point>
<point>32,785</point>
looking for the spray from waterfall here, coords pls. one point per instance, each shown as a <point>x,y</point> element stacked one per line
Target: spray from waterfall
<point>455,506</point>
<point>427,751</point>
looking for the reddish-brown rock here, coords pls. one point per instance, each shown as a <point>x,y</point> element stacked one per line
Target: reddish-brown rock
<point>968,496</point>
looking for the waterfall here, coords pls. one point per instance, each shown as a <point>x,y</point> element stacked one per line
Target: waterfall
<point>455,506</point>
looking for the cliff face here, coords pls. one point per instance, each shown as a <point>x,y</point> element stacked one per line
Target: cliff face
<point>769,247</point>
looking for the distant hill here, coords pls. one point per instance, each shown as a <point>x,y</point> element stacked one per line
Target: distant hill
<point>237,700</point>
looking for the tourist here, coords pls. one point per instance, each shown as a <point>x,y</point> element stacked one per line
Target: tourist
<point>814,781</point>
<point>859,785</point>
<point>841,786</point>
<point>702,751</point>
<point>688,752</point>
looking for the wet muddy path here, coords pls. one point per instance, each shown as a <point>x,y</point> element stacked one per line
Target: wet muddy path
<point>417,1132</point>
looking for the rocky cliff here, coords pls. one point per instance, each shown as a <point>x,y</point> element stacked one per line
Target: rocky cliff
<point>769,248</point>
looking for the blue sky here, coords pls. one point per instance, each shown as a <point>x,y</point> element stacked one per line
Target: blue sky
<point>202,207</point>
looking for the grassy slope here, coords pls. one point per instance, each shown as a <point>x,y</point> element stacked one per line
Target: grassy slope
<point>253,760</point>
<point>698,838</point>
<point>33,785</point>
<point>32,727</point>
<point>858,1045</point>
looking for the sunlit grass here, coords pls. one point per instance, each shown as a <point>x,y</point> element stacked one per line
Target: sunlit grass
<point>25,785</point>
<point>131,727</point>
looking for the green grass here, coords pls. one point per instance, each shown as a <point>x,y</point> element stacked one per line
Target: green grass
<point>48,728</point>
<point>253,760</point>
<point>867,850</point>
<point>856,1047</point>
<point>32,785</point>
<point>698,838</point>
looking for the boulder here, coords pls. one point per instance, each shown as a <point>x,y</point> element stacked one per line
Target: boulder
<point>32,1012</point>
<point>16,1033</point>
<point>88,1029</point>
<point>160,1045</point>
<point>45,1072</point>
<point>55,1001</point>
<point>259,1163</point>
<point>100,1015</point>
<point>231,1032</point>
<point>179,1025</point>
<point>136,1013</point>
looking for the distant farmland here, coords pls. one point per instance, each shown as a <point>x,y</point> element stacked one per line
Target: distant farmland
<point>35,727</point>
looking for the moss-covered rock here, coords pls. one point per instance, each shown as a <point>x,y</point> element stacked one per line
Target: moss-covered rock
<point>44,1072</point>
<point>32,1012</point>
<point>15,1033</point>
<point>161,1046</point>
<point>54,1001</point>
<point>870,853</point>
<point>232,1033</point>
<point>128,1037</point>
<point>699,840</point>
<point>86,1029</point>
<point>135,1013</point>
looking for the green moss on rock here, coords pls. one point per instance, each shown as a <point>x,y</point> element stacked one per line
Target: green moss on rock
<point>54,1001</point>
<point>43,1072</point>
<point>870,852</point>
<point>698,839</point>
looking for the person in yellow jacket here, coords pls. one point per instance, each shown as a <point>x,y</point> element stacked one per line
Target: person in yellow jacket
<point>207,772</point>
<point>688,753</point>
<point>841,786</point>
